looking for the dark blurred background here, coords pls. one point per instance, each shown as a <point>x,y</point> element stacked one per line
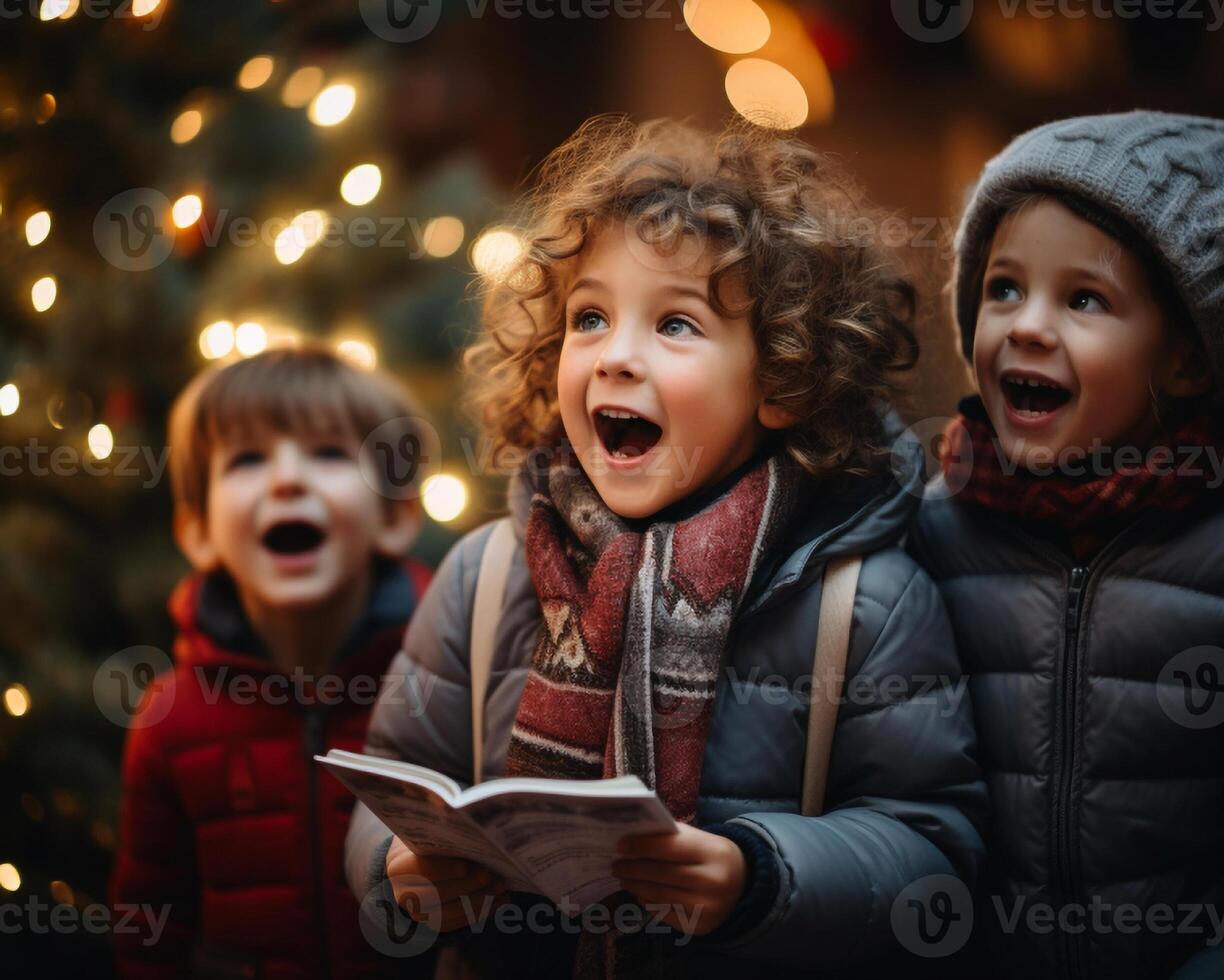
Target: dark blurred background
<point>195,114</point>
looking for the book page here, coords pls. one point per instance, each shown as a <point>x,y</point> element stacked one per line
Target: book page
<point>567,844</point>
<point>423,819</point>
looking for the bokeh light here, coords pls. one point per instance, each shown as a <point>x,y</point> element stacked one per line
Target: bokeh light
<point>217,339</point>
<point>250,338</point>
<point>443,236</point>
<point>43,293</point>
<point>187,126</point>
<point>38,227</point>
<point>100,441</point>
<point>333,105</point>
<point>361,184</point>
<point>733,26</point>
<point>444,497</point>
<point>10,399</point>
<point>187,210</point>
<point>256,72</point>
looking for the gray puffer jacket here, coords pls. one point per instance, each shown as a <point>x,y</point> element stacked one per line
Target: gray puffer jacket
<point>1104,758</point>
<point>905,800</point>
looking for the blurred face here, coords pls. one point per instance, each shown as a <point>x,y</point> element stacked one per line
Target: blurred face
<point>658,393</point>
<point>293,521</point>
<point>1070,343</point>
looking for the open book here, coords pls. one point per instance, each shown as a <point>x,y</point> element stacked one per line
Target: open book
<point>555,837</point>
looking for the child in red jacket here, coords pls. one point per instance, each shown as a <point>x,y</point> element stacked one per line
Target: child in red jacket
<point>299,599</point>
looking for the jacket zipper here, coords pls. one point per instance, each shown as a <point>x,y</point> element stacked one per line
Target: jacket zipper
<point>1067,721</point>
<point>313,723</point>
<point>1065,851</point>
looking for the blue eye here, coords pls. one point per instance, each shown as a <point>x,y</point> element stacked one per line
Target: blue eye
<point>248,457</point>
<point>1086,301</point>
<point>330,451</point>
<point>1003,290</point>
<point>581,321</point>
<point>683,323</point>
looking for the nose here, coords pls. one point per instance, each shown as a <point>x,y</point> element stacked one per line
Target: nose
<point>620,356</point>
<point>1034,324</point>
<point>287,469</point>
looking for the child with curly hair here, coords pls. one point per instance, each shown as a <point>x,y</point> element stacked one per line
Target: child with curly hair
<point>677,497</point>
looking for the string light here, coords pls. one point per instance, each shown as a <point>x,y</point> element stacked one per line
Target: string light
<point>732,26</point>
<point>187,210</point>
<point>142,8</point>
<point>766,93</point>
<point>42,294</point>
<point>10,399</point>
<point>301,86</point>
<point>250,338</point>
<point>333,105</point>
<point>256,72</point>
<point>217,339</point>
<point>45,108</point>
<point>187,126</point>
<point>360,353</point>
<point>100,441</point>
<point>38,227</point>
<point>495,251</point>
<point>58,9</point>
<point>305,231</point>
<point>10,880</point>
<point>361,184</point>
<point>442,236</point>
<point>16,700</point>
<point>444,497</point>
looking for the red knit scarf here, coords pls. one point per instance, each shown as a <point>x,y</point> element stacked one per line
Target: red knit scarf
<point>1094,494</point>
<point>636,618</point>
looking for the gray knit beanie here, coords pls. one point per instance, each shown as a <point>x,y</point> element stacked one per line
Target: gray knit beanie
<point>1162,174</point>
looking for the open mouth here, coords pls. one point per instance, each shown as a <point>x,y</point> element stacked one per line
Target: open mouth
<point>292,538</point>
<point>625,435</point>
<point>1033,398</point>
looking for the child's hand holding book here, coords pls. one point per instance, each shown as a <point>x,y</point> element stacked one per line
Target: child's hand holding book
<point>431,888</point>
<point>698,875</point>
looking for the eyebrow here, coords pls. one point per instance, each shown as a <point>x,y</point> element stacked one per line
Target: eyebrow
<point>674,288</point>
<point>1101,274</point>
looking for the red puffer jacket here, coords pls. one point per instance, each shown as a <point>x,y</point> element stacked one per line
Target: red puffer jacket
<point>232,837</point>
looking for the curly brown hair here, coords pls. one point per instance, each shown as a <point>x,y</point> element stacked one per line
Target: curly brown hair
<point>831,314</point>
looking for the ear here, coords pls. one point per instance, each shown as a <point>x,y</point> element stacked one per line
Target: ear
<point>191,535</point>
<point>402,520</point>
<point>775,416</point>
<point>1186,371</point>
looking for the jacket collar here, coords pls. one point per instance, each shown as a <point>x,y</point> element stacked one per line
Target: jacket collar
<point>214,629</point>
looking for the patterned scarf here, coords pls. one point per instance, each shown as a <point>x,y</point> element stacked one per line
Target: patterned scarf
<point>1090,508</point>
<point>636,618</point>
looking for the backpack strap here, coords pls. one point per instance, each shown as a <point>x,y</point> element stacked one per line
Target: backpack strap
<point>828,675</point>
<point>486,611</point>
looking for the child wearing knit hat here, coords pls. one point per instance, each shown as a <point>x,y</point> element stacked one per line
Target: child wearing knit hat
<point>1077,535</point>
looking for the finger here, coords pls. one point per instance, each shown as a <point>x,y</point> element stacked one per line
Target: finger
<point>438,868</point>
<point>430,896</point>
<point>478,904</point>
<point>449,891</point>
